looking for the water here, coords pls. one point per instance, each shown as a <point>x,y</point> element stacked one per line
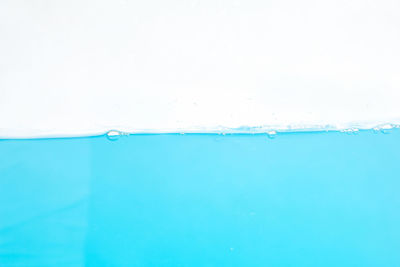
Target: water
<point>299,199</point>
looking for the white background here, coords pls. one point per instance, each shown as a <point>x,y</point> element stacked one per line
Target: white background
<point>84,67</point>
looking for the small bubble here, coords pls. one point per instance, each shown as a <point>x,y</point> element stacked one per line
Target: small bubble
<point>231,249</point>
<point>113,135</point>
<point>271,134</point>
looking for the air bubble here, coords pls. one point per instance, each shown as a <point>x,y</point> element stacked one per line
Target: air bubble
<point>271,134</point>
<point>113,135</point>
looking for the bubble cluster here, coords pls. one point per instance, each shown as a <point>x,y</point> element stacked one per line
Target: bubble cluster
<point>351,131</point>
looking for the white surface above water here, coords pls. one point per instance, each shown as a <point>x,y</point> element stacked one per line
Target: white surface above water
<point>84,67</point>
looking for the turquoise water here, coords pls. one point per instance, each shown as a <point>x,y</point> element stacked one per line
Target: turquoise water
<point>300,199</point>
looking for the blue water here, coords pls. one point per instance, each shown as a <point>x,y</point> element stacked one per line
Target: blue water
<point>300,199</point>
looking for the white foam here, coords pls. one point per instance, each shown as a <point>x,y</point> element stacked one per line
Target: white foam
<point>71,68</point>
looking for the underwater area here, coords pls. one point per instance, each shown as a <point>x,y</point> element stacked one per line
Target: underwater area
<point>287,199</point>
